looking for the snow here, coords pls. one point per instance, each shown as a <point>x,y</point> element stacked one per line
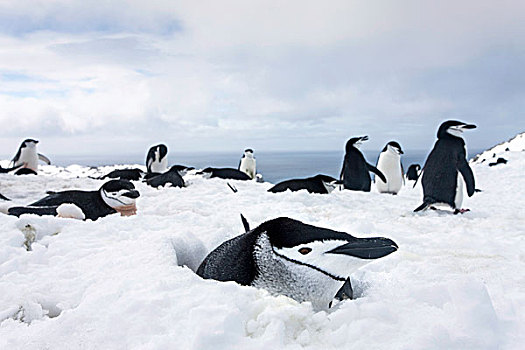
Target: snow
<point>119,282</point>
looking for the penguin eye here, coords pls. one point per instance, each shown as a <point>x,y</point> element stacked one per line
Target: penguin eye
<point>305,250</point>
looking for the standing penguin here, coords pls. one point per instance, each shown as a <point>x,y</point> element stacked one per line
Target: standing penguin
<point>389,163</point>
<point>440,180</point>
<point>247,163</point>
<point>413,172</point>
<point>27,158</point>
<point>354,173</point>
<point>156,159</point>
<point>287,257</point>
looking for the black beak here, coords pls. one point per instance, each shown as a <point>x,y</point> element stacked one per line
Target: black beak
<point>468,126</point>
<point>132,194</point>
<point>364,138</point>
<point>401,152</point>
<point>367,248</point>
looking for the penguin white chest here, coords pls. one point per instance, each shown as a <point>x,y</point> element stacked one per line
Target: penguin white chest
<point>159,165</point>
<point>390,165</point>
<point>29,156</point>
<point>247,166</point>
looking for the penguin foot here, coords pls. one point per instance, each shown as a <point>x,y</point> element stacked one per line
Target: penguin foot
<point>460,211</point>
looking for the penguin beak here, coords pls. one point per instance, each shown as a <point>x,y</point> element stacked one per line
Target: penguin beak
<point>468,126</point>
<point>364,138</point>
<point>367,248</point>
<point>132,194</point>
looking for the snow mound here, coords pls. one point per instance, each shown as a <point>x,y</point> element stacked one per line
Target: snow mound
<point>516,144</point>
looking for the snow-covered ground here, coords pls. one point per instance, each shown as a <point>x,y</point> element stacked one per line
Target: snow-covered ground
<point>457,282</point>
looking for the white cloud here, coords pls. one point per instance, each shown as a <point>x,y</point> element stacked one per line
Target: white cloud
<point>296,74</point>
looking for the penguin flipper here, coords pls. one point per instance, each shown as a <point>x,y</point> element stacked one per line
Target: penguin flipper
<point>468,176</point>
<point>44,159</point>
<point>425,205</point>
<point>245,223</point>
<point>17,211</point>
<point>4,197</point>
<point>376,171</point>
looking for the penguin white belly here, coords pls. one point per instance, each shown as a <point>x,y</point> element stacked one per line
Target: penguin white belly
<point>159,167</point>
<point>458,200</point>
<point>390,166</point>
<point>248,166</point>
<point>29,156</point>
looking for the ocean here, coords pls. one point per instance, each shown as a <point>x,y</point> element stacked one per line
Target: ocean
<point>274,166</point>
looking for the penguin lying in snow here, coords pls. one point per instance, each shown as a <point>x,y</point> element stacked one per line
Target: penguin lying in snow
<point>354,173</point>
<point>499,161</point>
<point>440,179</point>
<point>28,158</point>
<point>224,173</point>
<point>171,177</point>
<point>114,196</point>
<point>124,174</point>
<point>288,257</point>
<point>316,184</point>
<point>413,172</point>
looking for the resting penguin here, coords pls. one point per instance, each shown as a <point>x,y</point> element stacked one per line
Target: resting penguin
<point>247,163</point>
<point>389,163</point>
<point>156,159</point>
<point>316,184</point>
<point>224,173</point>
<point>288,257</point>
<point>354,173</point>
<point>171,176</point>
<point>124,174</point>
<point>27,157</point>
<point>114,196</point>
<point>440,180</point>
<point>413,172</point>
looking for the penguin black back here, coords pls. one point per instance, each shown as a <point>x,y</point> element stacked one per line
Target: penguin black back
<point>355,170</point>
<point>413,171</point>
<point>315,184</point>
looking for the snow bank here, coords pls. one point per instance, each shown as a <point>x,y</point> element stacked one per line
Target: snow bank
<point>128,282</point>
<point>516,144</point>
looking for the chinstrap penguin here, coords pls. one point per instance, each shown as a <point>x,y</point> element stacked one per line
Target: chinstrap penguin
<point>27,157</point>
<point>171,177</point>
<point>247,163</point>
<point>124,174</point>
<point>389,163</point>
<point>224,173</point>
<point>355,171</point>
<point>440,180</point>
<point>316,184</point>
<point>157,159</point>
<point>413,172</point>
<point>288,257</point>
<point>114,196</point>
<point>499,161</point>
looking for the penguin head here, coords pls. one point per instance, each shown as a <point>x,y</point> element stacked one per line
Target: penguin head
<point>328,182</point>
<point>453,128</point>
<point>206,173</point>
<point>355,142</point>
<point>333,254</point>
<point>248,153</point>
<point>393,147</point>
<point>160,151</point>
<point>116,193</point>
<point>29,143</point>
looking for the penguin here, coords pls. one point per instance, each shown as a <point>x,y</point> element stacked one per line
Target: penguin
<point>247,163</point>
<point>354,172</point>
<point>171,176</point>
<point>224,173</point>
<point>113,196</point>
<point>287,257</point>
<point>413,172</point>
<point>317,184</point>
<point>6,170</point>
<point>28,157</point>
<point>389,163</point>
<point>440,179</point>
<point>499,161</point>
<point>123,174</point>
<point>156,159</point>
<point>182,169</point>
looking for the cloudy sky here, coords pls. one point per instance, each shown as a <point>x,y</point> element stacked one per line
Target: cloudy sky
<point>118,76</point>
